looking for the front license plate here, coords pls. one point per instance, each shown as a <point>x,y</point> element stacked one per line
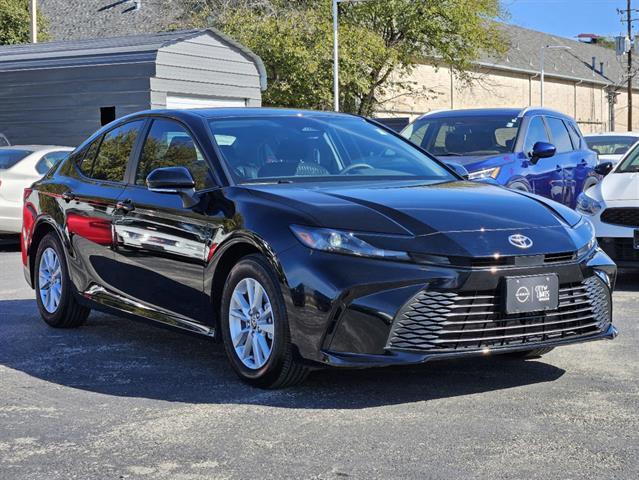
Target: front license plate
<point>636,243</point>
<point>532,293</point>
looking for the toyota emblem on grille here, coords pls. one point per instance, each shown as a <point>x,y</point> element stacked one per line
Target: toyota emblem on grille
<point>520,241</point>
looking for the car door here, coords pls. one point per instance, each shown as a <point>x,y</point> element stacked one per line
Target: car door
<point>587,160</point>
<point>162,246</point>
<point>545,176</point>
<point>566,157</point>
<point>96,180</point>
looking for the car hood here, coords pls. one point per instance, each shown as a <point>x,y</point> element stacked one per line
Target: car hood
<point>456,218</point>
<point>477,162</point>
<point>620,186</point>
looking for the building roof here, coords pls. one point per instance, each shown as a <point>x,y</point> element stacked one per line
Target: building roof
<point>100,51</point>
<point>69,20</point>
<point>574,64</point>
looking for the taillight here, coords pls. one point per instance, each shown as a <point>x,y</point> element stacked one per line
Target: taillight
<point>26,193</point>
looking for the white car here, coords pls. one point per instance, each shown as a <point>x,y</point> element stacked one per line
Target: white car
<point>20,166</point>
<point>611,146</point>
<point>613,207</point>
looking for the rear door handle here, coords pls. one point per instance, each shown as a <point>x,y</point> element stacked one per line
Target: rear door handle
<point>68,196</point>
<point>126,206</point>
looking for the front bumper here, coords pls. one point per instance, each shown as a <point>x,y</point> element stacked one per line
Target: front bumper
<point>399,357</point>
<point>345,311</point>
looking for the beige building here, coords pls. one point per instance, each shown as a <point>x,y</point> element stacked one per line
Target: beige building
<point>586,81</point>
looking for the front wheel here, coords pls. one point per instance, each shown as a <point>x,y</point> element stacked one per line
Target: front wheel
<point>255,328</point>
<point>54,296</point>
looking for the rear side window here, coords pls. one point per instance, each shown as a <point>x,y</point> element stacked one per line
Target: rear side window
<point>575,135</point>
<point>114,152</point>
<point>536,133</point>
<point>168,144</point>
<point>560,136</point>
<point>9,157</point>
<point>85,162</point>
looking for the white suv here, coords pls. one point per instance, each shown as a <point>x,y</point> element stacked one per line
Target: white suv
<point>613,207</point>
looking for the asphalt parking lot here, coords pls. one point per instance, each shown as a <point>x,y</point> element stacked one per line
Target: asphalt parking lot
<point>121,399</point>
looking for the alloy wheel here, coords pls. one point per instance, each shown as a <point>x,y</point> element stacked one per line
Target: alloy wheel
<point>251,323</point>
<point>50,280</point>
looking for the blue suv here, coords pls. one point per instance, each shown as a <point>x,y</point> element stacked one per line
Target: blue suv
<point>533,149</point>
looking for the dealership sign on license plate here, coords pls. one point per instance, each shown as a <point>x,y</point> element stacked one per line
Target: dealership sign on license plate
<point>532,293</point>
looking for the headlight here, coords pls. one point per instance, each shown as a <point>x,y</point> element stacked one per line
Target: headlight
<point>338,241</point>
<point>588,205</point>
<point>591,238</point>
<point>484,173</point>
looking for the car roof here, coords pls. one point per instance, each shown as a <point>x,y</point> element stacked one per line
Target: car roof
<point>233,112</point>
<point>497,112</point>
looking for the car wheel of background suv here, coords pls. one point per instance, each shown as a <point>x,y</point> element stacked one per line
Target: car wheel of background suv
<point>519,186</point>
<point>255,328</point>
<point>54,291</point>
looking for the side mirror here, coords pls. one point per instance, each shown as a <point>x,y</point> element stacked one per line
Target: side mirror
<point>459,169</point>
<point>176,180</point>
<point>604,168</point>
<point>542,150</point>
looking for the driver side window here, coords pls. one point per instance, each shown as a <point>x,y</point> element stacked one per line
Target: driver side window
<point>168,144</point>
<point>536,133</point>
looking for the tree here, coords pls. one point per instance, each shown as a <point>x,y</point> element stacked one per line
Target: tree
<point>15,22</point>
<point>381,41</point>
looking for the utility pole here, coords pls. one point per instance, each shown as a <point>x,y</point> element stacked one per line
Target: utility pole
<point>627,13</point>
<point>629,21</point>
<point>34,21</point>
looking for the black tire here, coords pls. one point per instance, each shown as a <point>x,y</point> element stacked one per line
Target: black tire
<point>283,368</point>
<point>69,313</point>
<point>534,353</point>
<point>519,186</point>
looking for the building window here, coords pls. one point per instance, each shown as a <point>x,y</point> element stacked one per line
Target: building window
<point>107,115</point>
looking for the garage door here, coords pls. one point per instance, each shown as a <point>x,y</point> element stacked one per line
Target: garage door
<point>179,101</point>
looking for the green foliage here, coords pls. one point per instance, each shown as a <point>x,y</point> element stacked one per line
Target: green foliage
<point>380,42</point>
<point>15,23</point>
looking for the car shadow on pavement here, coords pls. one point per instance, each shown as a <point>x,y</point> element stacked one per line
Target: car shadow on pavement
<point>115,356</point>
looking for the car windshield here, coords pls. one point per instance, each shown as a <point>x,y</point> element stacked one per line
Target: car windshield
<point>610,145</point>
<point>464,135</point>
<point>321,147</point>
<point>9,157</point>
<point>630,164</point>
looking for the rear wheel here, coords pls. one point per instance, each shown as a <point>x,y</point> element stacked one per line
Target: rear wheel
<point>54,296</point>
<point>255,328</point>
<point>534,353</point>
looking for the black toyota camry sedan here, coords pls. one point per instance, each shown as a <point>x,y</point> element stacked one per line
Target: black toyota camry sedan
<point>301,239</point>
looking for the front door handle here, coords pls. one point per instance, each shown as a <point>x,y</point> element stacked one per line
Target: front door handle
<point>68,196</point>
<point>125,206</point>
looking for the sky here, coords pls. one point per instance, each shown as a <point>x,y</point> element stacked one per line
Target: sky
<point>568,18</point>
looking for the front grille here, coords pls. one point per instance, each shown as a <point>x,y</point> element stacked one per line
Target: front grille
<point>628,217</point>
<point>514,260</point>
<point>448,321</point>
<point>620,249</point>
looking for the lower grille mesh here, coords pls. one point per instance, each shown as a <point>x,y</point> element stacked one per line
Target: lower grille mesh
<point>451,321</point>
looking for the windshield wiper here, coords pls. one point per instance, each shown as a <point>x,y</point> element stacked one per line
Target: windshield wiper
<point>450,154</point>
